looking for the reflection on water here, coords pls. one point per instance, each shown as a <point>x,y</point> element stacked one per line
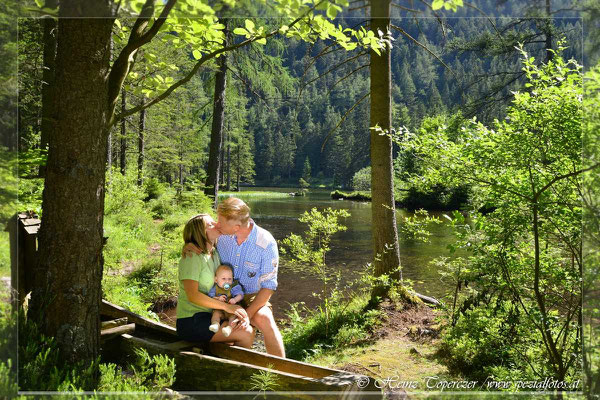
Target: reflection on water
<point>350,250</point>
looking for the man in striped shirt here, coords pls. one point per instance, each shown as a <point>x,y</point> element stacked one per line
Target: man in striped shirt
<point>252,251</point>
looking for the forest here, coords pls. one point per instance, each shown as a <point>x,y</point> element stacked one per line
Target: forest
<point>478,120</point>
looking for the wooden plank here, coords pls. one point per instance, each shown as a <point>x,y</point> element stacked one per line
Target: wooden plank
<point>201,372</point>
<point>264,360</point>
<point>115,311</point>
<point>110,333</point>
<point>31,221</point>
<point>113,322</point>
<point>32,230</point>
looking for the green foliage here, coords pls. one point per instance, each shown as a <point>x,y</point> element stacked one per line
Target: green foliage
<point>264,381</point>
<point>8,349</point>
<point>416,227</point>
<point>341,318</point>
<point>149,374</point>
<point>155,280</point>
<point>591,227</point>
<point>349,319</point>
<point>42,369</point>
<point>303,184</point>
<point>524,255</point>
<point>8,189</point>
<point>362,179</point>
<point>153,188</point>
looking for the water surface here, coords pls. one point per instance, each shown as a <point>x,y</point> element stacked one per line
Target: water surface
<point>350,250</point>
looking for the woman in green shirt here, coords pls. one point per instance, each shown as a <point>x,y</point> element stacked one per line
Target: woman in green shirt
<point>196,277</point>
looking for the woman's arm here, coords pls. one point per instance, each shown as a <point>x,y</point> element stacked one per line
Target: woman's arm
<point>191,290</point>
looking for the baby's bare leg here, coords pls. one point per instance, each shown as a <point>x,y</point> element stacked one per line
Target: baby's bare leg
<point>217,315</point>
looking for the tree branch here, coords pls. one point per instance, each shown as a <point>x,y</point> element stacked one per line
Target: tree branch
<point>137,38</point>
<point>343,119</point>
<point>403,32</point>
<point>341,79</point>
<point>205,58</point>
<point>557,178</point>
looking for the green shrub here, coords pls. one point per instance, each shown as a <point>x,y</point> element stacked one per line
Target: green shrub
<point>153,188</point>
<point>8,350</point>
<point>311,331</point>
<point>157,282</point>
<point>195,200</point>
<point>121,291</point>
<point>150,373</point>
<point>123,195</point>
<point>362,179</point>
<point>42,369</point>
<point>162,206</point>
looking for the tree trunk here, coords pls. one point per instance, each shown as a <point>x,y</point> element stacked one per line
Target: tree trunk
<point>49,59</point>
<point>385,236</point>
<point>71,235</point>
<point>216,135</point>
<point>228,163</point>
<point>548,33</point>
<point>142,127</point>
<point>123,151</point>
<point>238,168</point>
<point>109,152</point>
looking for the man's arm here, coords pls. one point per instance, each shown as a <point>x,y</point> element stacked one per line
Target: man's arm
<point>260,300</point>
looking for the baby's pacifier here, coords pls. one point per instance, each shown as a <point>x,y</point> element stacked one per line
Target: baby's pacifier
<point>226,286</point>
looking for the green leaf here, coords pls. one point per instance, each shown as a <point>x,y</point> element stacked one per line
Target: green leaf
<point>261,41</point>
<point>40,3</point>
<point>240,31</point>
<point>197,55</point>
<point>437,4</point>
<point>249,25</point>
<point>118,23</point>
<point>331,12</point>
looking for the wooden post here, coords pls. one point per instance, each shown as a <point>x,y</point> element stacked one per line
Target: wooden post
<point>23,229</point>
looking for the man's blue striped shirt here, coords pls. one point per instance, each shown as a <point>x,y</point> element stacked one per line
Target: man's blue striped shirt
<point>255,262</point>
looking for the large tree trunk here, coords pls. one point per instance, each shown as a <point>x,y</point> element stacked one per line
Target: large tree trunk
<point>385,236</point>
<point>123,150</point>
<point>216,135</point>
<point>141,128</point>
<point>228,162</point>
<point>71,236</point>
<point>49,58</point>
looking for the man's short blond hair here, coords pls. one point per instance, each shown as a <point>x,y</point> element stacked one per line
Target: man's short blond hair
<point>234,208</point>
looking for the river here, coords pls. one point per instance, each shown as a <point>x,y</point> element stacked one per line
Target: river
<point>350,250</point>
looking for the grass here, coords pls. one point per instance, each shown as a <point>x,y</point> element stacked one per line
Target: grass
<point>389,357</point>
<point>4,254</point>
<point>309,334</point>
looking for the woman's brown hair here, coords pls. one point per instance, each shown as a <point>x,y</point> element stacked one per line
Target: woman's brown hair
<point>195,232</point>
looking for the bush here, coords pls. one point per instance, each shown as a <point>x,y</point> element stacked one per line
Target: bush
<point>153,189</point>
<point>42,369</point>
<point>362,179</point>
<point>162,206</point>
<point>195,200</point>
<point>156,281</point>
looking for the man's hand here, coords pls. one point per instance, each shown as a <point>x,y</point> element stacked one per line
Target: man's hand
<point>222,298</point>
<point>240,314</point>
<point>189,249</point>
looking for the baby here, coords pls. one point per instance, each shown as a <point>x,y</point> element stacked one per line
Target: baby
<point>223,290</point>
